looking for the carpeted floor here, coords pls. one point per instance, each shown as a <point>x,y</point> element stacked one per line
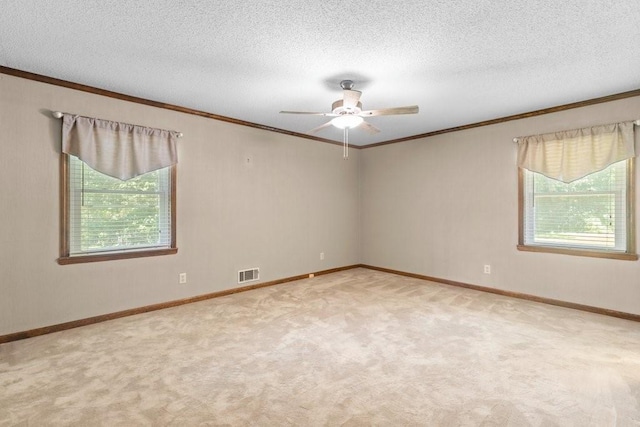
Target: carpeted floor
<point>353,348</point>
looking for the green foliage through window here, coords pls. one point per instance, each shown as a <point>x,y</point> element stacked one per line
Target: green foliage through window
<point>587,213</point>
<point>108,214</point>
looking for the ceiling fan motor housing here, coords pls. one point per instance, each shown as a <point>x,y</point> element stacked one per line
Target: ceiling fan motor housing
<point>339,108</point>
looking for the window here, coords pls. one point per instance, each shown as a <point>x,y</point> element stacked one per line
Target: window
<point>106,218</point>
<point>590,216</point>
<point>118,190</point>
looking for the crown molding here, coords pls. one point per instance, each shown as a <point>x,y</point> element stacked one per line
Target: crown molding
<point>564,107</point>
<point>97,91</point>
<point>110,94</point>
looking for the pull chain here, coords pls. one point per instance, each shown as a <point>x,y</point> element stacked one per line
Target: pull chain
<point>345,146</point>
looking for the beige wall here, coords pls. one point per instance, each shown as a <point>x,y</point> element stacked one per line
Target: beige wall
<point>294,199</point>
<point>444,206</point>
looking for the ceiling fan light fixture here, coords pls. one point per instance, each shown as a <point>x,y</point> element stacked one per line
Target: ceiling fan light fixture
<point>347,121</point>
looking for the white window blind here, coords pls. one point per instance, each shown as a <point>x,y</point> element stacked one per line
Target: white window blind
<point>588,213</point>
<point>110,215</point>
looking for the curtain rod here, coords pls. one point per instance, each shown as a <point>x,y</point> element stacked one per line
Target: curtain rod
<point>59,114</point>
<point>635,122</point>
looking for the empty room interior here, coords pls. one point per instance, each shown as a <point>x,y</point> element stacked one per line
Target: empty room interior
<point>319,213</point>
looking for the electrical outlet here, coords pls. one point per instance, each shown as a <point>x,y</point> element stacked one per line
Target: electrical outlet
<point>183,277</point>
<point>321,256</point>
<point>487,269</point>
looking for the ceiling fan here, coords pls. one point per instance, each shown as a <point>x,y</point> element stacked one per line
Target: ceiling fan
<point>347,114</point>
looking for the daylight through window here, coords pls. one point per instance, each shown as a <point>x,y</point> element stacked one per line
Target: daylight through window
<point>109,216</point>
<point>592,213</point>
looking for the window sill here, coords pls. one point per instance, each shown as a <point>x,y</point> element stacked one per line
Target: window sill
<point>64,260</point>
<point>580,252</point>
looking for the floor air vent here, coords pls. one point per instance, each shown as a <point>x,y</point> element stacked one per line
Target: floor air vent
<point>248,275</point>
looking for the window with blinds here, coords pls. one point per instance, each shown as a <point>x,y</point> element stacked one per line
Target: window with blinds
<point>107,215</point>
<point>590,213</point>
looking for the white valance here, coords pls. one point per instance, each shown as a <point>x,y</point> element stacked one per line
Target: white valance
<point>116,149</point>
<point>574,154</point>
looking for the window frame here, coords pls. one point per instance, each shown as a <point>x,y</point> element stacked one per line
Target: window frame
<point>629,254</point>
<point>65,210</point>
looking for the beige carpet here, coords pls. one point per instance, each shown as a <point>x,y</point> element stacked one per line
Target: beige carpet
<point>353,348</point>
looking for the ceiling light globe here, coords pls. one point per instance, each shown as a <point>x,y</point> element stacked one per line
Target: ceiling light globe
<point>347,121</point>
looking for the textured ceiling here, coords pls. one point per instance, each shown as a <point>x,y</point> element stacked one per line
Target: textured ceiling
<point>461,61</point>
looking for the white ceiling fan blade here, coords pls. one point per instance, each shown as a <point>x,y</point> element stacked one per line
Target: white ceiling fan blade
<point>368,127</point>
<point>308,112</point>
<point>314,130</point>
<point>351,98</point>
<point>412,109</point>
